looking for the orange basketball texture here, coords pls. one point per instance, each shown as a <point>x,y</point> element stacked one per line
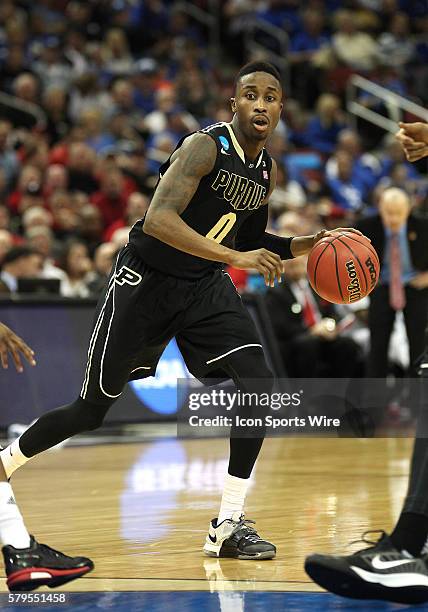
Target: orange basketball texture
<point>343,268</point>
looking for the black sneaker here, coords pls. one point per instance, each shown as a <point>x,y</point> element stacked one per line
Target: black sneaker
<point>29,568</point>
<point>378,572</point>
<point>237,539</point>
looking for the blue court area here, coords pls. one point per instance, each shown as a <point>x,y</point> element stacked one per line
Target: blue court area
<point>201,601</point>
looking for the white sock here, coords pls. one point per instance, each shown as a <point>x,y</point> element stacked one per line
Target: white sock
<point>12,458</point>
<point>233,499</point>
<point>12,529</point>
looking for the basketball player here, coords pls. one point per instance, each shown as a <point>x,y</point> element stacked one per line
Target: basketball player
<point>28,563</point>
<point>209,208</point>
<point>394,568</point>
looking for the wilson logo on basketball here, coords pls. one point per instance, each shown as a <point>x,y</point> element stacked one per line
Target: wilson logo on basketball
<point>354,287</point>
<point>372,271</point>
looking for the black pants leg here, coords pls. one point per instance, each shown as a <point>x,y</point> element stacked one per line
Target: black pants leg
<point>250,374</point>
<point>416,320</point>
<point>381,321</point>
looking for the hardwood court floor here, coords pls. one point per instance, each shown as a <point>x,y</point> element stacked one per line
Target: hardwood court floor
<point>141,511</point>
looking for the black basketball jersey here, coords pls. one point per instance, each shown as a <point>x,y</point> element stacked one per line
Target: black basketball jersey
<point>224,199</point>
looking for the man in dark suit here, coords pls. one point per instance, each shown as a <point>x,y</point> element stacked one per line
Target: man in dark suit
<point>401,241</point>
<point>305,327</point>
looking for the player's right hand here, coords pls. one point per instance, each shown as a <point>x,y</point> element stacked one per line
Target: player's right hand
<point>13,344</point>
<point>267,263</point>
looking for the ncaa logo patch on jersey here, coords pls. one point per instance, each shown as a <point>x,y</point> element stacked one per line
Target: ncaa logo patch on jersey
<point>126,276</point>
<point>224,142</point>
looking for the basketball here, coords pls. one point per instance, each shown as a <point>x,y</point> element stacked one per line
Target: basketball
<point>343,268</point>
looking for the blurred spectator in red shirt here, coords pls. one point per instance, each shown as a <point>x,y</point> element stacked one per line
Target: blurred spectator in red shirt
<point>65,216</point>
<point>136,208</point>
<point>112,196</point>
<point>91,226</point>
<point>81,168</point>
<point>56,177</point>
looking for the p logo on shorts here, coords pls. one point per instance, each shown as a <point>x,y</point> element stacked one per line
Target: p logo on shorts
<point>126,276</point>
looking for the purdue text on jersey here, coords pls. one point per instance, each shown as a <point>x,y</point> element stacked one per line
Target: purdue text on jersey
<point>223,201</point>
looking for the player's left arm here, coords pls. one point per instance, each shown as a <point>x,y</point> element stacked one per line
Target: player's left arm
<point>253,232</point>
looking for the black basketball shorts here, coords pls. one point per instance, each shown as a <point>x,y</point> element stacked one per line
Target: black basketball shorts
<point>141,310</point>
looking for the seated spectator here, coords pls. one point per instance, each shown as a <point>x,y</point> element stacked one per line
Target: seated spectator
<point>26,88</point>
<point>347,189</point>
<point>74,51</point>
<point>56,177</point>
<point>35,151</point>
<point>81,168</point>
<point>120,237</point>
<point>166,103</point>
<point>396,48</point>
<point>305,327</point>
<point>96,133</point>
<point>30,177</point>
<point>392,155</point>
<point>31,197</point>
<point>145,74</point>
<point>77,265</point>
<point>112,196</point>
<point>163,146</point>
<point>280,14</point>
<point>41,239</point>
<point>306,48</point>
<point>195,93</point>
<point>55,104</point>
<point>52,67</point>
<point>122,94</point>
<point>103,262</point>
<point>291,223</point>
<point>322,131</point>
<point>365,166</point>
<point>136,208</point>
<point>36,216</point>
<point>4,217</point>
<point>118,58</point>
<point>399,176</point>
<point>6,243</point>
<point>353,48</point>
<point>18,262</point>
<point>91,226</point>
<point>9,161</point>
<point>134,164</point>
<point>65,216</point>
<point>14,64</point>
<point>287,195</point>
<point>86,94</point>
<point>386,77</point>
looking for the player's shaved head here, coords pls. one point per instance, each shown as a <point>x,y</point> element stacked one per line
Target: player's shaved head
<point>394,208</point>
<point>257,103</point>
<point>253,67</point>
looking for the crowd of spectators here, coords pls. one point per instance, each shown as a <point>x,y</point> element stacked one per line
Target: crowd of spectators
<point>98,92</point>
